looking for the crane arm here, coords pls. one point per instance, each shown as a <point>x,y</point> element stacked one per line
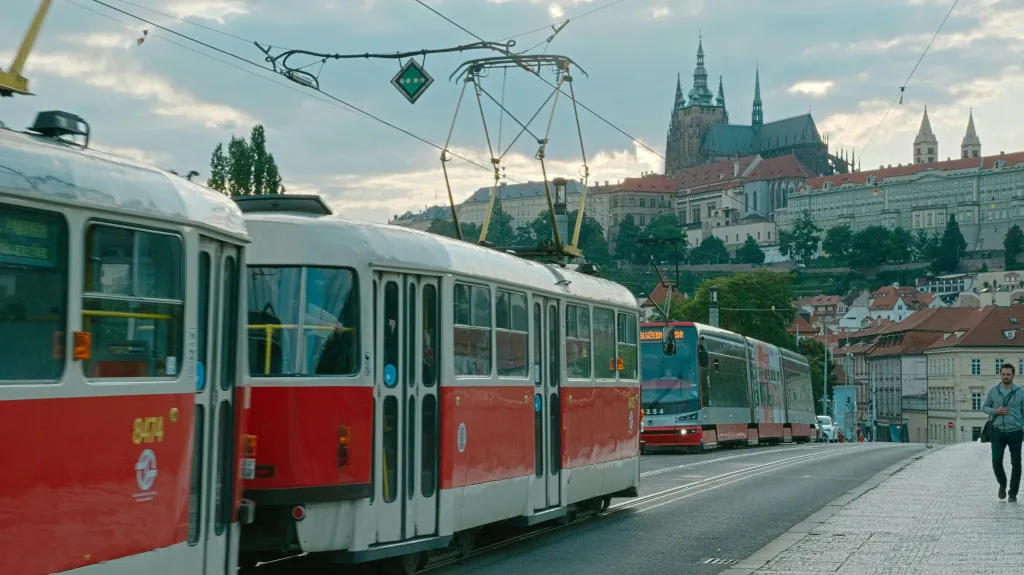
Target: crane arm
<point>11,81</point>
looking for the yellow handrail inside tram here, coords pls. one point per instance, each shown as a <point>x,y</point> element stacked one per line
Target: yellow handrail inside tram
<point>125,314</point>
<point>268,329</point>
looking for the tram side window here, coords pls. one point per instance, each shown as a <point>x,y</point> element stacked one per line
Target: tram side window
<point>511,334</point>
<point>321,339</point>
<point>133,304</point>
<point>577,341</point>
<point>430,334</point>
<point>627,346</point>
<point>472,331</point>
<point>33,294</point>
<point>604,343</point>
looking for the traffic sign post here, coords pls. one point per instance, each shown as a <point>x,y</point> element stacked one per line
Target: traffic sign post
<point>412,81</point>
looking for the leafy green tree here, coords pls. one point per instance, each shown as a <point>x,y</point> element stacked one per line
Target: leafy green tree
<point>925,246</point>
<point>952,248</point>
<point>802,241</point>
<point>1013,243</point>
<point>591,242</point>
<point>218,170</point>
<point>758,304</point>
<point>869,247</point>
<point>750,252</point>
<point>837,244</point>
<point>445,227</point>
<point>247,169</point>
<point>666,226</point>
<point>499,230</point>
<point>900,245</point>
<point>710,251</point>
<point>814,351</point>
<point>626,248</point>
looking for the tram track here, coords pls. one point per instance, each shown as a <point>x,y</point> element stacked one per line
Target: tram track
<point>658,499</point>
<point>713,460</point>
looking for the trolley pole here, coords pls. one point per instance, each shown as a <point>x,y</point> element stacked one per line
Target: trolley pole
<point>713,307</point>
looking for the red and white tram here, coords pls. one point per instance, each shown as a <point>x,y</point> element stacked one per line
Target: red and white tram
<point>713,387</point>
<point>122,379</point>
<point>409,388</point>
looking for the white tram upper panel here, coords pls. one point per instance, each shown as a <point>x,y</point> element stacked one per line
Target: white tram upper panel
<point>282,238</point>
<point>39,167</point>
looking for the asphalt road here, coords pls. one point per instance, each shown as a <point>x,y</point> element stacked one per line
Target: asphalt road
<point>736,502</point>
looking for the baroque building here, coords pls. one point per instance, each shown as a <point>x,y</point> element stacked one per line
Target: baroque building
<point>700,133</point>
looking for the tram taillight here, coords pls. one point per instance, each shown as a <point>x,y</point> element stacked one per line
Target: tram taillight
<point>342,446</point>
<point>83,346</point>
<point>250,446</point>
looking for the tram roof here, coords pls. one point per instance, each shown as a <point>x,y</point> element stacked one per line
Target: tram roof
<point>36,166</point>
<point>317,238</point>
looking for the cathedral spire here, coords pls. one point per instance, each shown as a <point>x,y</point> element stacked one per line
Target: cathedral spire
<point>680,99</point>
<point>757,114</point>
<point>700,94</point>
<point>926,145</point>
<point>970,147</point>
<point>720,100</point>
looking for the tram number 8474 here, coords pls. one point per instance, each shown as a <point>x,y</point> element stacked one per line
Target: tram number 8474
<point>147,430</point>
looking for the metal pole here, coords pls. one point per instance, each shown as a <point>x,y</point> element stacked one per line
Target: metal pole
<point>828,403</point>
<point>713,307</point>
<point>874,407</point>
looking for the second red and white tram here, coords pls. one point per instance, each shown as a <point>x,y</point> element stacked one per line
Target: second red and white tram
<point>122,385</point>
<point>718,388</point>
<point>409,388</point>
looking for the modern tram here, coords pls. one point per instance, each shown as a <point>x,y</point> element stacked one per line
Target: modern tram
<point>408,389</point>
<point>123,392</point>
<point>710,387</point>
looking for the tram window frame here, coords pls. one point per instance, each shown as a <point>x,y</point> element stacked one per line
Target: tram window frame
<point>392,337</point>
<point>604,344</point>
<point>538,342</point>
<point>170,309</point>
<point>578,334</point>
<point>58,341</point>
<point>511,332</point>
<point>627,334</point>
<point>471,311</point>
<point>294,359</point>
<point>431,321</point>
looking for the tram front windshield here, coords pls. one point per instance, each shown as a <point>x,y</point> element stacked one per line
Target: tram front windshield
<point>670,382</point>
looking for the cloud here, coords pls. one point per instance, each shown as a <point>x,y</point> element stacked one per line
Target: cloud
<point>121,75</point>
<point>556,11</point>
<point>660,11</point>
<point>986,89</point>
<point>216,10</point>
<point>813,88</point>
<point>159,159</point>
<point>377,197</point>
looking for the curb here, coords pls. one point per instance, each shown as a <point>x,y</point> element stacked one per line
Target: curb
<point>807,526</point>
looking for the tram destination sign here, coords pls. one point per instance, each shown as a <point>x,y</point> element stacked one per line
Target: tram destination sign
<point>412,81</point>
<point>26,241</point>
<point>658,335</point>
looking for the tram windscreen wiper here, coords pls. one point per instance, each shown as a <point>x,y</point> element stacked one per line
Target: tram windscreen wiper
<point>664,392</point>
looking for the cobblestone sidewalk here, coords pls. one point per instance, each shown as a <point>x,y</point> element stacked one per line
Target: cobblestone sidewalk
<point>938,515</point>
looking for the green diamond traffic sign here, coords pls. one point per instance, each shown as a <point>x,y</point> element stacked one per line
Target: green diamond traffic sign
<point>412,81</point>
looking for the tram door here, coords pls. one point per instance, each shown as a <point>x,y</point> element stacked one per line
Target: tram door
<point>407,378</point>
<point>213,359</point>
<point>545,490</point>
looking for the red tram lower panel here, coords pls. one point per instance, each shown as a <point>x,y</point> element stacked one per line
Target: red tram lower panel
<point>599,425</point>
<point>90,485</point>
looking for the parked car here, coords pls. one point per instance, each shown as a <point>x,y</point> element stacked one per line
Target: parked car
<point>828,431</point>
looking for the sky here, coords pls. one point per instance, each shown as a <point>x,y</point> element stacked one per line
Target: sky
<point>169,101</point>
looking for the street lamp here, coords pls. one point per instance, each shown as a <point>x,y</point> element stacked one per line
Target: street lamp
<point>713,307</point>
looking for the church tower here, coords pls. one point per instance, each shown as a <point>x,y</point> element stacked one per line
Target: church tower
<point>926,145</point>
<point>757,114</point>
<point>971,145</point>
<point>691,118</point>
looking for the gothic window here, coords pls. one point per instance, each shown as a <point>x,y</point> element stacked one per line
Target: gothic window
<point>755,202</point>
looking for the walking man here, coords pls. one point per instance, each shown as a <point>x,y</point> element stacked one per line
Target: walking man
<point>1005,403</point>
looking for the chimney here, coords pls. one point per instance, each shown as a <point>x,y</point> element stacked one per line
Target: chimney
<point>735,168</point>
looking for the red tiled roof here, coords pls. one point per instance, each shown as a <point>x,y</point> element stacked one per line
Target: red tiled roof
<point>911,343</point>
<point>986,328</point>
<point>801,323</point>
<point>713,176</point>
<point>654,183</point>
<point>932,319</point>
<point>820,300</point>
<point>885,298</point>
<point>861,178</point>
<point>780,167</point>
<point>659,294</point>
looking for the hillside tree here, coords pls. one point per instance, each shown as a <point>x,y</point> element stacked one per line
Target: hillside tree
<point>801,243</point>
<point>247,169</point>
<point>952,248</point>
<point>1013,243</point>
<point>750,252</point>
<point>837,244</point>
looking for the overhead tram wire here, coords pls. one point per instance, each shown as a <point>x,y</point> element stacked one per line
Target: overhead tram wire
<point>185,20</point>
<point>567,20</point>
<point>331,99</point>
<point>899,95</point>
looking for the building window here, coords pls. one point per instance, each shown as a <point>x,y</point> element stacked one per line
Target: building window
<point>975,367</point>
<point>643,220</point>
<point>643,202</point>
<point>976,400</point>
<point>999,365</point>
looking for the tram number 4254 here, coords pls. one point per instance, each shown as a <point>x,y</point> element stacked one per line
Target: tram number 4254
<point>147,430</point>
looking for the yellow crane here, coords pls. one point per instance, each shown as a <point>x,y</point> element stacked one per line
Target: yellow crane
<point>11,81</point>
